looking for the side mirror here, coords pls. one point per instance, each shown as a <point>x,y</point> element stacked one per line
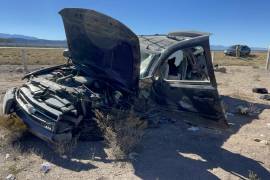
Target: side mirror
<point>66,54</point>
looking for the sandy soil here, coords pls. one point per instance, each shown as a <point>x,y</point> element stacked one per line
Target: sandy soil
<point>168,152</point>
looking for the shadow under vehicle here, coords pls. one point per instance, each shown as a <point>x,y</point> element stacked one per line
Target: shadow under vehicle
<point>109,66</point>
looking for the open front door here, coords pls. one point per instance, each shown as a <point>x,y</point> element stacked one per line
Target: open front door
<point>185,81</point>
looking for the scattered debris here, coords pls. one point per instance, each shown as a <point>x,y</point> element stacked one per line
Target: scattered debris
<point>260,90</point>
<point>133,156</point>
<point>19,70</point>
<point>220,69</point>
<point>243,110</point>
<point>261,141</point>
<point>264,142</point>
<point>45,167</point>
<point>265,97</point>
<point>7,156</point>
<point>10,177</point>
<point>193,128</point>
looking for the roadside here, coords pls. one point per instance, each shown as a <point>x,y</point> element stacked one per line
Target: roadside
<point>173,151</point>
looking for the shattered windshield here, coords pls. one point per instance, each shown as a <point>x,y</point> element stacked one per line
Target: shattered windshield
<point>145,61</point>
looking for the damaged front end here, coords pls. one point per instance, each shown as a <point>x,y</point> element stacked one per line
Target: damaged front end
<point>104,65</point>
<point>58,103</point>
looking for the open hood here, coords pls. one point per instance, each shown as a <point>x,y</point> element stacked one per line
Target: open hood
<point>103,45</point>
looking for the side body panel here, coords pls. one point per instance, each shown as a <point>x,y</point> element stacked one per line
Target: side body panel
<point>199,98</point>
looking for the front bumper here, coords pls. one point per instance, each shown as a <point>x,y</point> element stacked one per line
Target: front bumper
<point>38,122</point>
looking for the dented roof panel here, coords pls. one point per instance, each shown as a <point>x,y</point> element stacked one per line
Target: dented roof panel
<point>161,42</point>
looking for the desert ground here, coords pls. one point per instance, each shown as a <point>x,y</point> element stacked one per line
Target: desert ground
<point>171,151</point>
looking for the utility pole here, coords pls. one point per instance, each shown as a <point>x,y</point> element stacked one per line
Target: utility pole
<point>268,59</point>
<point>24,60</point>
<point>213,56</point>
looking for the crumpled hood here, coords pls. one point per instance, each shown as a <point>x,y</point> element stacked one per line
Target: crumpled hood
<point>103,44</point>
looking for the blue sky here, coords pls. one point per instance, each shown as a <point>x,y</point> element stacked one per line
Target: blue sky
<point>230,21</point>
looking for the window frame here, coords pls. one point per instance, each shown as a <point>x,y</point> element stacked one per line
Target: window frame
<point>208,81</point>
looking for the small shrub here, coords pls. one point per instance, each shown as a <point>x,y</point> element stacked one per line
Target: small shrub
<point>14,127</point>
<point>65,147</point>
<point>122,130</point>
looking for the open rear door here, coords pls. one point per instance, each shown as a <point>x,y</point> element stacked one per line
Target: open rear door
<point>185,81</point>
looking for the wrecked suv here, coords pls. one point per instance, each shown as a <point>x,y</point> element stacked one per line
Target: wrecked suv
<point>108,66</point>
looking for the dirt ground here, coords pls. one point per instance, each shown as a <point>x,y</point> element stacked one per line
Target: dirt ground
<point>169,152</point>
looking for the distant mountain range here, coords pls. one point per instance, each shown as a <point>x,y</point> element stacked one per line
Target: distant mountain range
<point>17,40</point>
<point>16,36</point>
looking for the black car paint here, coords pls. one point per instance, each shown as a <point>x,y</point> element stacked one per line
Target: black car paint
<point>92,56</point>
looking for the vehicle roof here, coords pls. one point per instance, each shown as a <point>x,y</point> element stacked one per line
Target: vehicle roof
<point>159,42</point>
<point>238,45</point>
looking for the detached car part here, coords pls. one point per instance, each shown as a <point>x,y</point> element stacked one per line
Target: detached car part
<point>105,62</point>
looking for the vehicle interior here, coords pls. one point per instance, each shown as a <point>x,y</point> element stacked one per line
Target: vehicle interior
<point>186,65</point>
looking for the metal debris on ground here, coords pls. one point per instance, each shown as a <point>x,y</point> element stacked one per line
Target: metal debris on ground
<point>45,167</point>
<point>193,128</point>
<point>19,70</point>
<point>260,90</point>
<point>243,110</point>
<point>220,69</point>
<point>261,141</point>
<point>7,156</point>
<point>10,177</point>
<point>133,156</point>
<point>265,97</point>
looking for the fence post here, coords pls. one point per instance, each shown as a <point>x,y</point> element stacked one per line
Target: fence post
<point>213,56</point>
<point>24,60</point>
<point>268,59</point>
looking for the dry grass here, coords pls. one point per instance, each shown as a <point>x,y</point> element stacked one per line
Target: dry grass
<point>252,175</point>
<point>13,127</point>
<point>54,56</point>
<point>65,148</point>
<point>122,129</point>
<point>256,59</point>
<point>44,56</point>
